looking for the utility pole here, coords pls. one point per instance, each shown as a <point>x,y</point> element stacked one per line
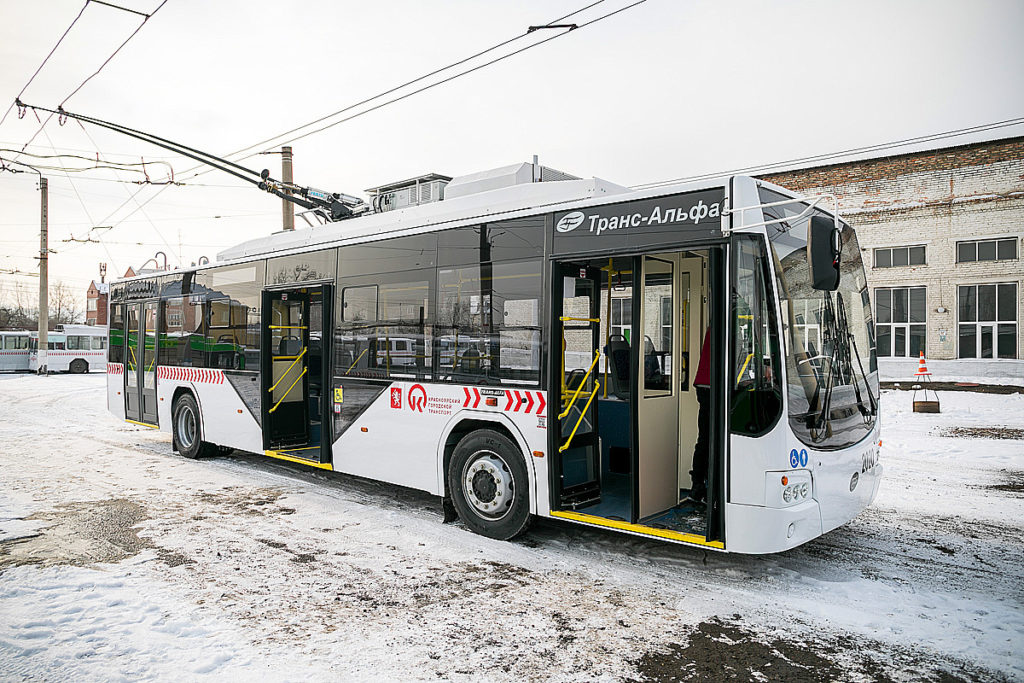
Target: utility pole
<point>287,208</point>
<point>44,254</point>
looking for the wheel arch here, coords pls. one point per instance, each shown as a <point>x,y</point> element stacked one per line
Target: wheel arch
<point>466,422</point>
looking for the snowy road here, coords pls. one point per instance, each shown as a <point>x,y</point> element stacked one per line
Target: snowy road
<point>121,561</point>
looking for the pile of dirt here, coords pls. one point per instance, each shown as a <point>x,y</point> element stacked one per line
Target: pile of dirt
<point>986,432</point>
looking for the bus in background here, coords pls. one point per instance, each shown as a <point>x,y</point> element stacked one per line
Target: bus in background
<point>14,350</point>
<point>72,348</point>
<point>529,347</point>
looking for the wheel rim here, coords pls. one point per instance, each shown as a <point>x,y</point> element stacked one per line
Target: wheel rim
<point>186,427</point>
<point>488,485</point>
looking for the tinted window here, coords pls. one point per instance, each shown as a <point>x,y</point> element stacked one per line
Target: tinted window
<point>520,238</point>
<point>307,267</point>
<point>388,256</point>
<point>966,251</point>
<point>488,327</point>
<point>115,354</point>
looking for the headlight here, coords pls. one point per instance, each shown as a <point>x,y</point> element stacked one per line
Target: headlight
<point>787,495</point>
<point>804,490</point>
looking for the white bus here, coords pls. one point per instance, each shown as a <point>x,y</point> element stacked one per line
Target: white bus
<point>565,402</point>
<point>14,350</point>
<point>72,348</point>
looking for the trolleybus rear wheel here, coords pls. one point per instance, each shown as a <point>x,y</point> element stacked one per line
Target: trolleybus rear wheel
<point>78,366</point>
<point>187,434</point>
<point>488,482</point>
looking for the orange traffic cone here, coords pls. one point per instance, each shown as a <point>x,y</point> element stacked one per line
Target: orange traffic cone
<point>922,369</point>
<point>924,406</point>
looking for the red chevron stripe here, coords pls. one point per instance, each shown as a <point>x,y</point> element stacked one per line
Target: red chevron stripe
<point>541,403</point>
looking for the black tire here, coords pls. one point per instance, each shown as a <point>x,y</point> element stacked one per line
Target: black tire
<point>186,428</point>
<point>489,485</point>
<point>78,366</point>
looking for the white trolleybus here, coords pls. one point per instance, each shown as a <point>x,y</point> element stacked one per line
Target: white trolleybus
<point>528,348</point>
<point>14,350</point>
<point>71,348</point>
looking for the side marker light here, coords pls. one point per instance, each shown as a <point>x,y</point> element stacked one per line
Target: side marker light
<point>538,454</point>
<point>363,429</point>
<point>491,401</point>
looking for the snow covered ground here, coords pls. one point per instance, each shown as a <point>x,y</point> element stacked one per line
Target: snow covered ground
<point>121,561</point>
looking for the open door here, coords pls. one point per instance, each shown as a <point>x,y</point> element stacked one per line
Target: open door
<point>295,368</point>
<point>577,451</point>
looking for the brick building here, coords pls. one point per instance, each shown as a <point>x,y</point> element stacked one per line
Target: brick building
<point>96,298</point>
<point>96,303</point>
<point>941,235</point>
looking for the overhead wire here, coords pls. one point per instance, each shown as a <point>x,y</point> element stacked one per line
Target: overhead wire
<point>409,82</point>
<point>391,90</point>
<point>932,137</point>
<point>96,73</point>
<point>46,59</point>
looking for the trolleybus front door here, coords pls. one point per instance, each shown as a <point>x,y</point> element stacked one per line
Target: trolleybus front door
<point>140,362</point>
<point>577,460</point>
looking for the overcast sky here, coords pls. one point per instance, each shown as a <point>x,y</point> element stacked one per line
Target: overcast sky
<point>666,89</point>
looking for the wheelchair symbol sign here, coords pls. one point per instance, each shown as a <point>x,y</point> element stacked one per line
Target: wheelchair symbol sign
<point>794,458</point>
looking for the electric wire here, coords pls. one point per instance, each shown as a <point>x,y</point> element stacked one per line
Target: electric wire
<point>600,18</point>
<point>46,59</point>
<point>945,135</point>
<point>96,73</point>
<point>410,82</point>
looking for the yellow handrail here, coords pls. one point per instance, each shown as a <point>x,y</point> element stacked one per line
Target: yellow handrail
<point>285,373</point>
<point>289,389</point>
<point>564,447</point>
<point>356,360</point>
<point>744,368</point>
<point>287,327</point>
<point>567,318</point>
<point>597,355</point>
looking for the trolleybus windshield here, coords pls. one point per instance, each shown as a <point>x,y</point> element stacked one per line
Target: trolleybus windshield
<point>830,350</point>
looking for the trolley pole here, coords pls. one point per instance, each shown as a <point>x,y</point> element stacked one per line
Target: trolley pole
<point>44,253</point>
<point>287,208</point>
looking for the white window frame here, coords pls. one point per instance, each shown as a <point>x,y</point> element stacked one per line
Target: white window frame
<point>905,326</point>
<point>993,325</point>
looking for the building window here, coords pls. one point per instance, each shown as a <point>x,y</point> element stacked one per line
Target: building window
<point>891,257</point>
<point>900,314</point>
<point>987,317</point>
<point>90,304</point>
<point>987,250</point>
<point>622,316</point>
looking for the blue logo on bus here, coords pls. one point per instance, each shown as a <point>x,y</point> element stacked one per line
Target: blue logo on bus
<point>803,457</point>
<point>794,458</point>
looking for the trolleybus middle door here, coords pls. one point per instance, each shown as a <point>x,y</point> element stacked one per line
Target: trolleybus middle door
<point>286,369</point>
<point>577,383</point>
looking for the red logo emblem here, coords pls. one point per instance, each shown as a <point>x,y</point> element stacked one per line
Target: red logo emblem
<point>396,397</point>
<point>417,397</point>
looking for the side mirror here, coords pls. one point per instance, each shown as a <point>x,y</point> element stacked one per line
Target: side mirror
<point>824,246</point>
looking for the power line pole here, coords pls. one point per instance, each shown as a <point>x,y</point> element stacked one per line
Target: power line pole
<point>287,207</point>
<point>44,268</point>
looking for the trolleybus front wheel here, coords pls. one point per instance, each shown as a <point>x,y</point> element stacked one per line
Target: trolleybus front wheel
<point>187,436</point>
<point>488,483</point>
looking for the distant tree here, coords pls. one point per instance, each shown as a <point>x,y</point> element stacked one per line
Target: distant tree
<point>19,310</point>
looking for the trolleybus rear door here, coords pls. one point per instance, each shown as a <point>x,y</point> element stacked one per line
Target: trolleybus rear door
<point>140,362</point>
<point>577,452</point>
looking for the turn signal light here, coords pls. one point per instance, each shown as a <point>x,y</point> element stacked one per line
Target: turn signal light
<point>491,401</point>
<point>538,454</point>
<point>785,480</point>
<point>363,429</point>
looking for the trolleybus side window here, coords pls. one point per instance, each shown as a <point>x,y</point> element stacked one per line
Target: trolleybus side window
<point>115,354</point>
<point>754,375</point>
